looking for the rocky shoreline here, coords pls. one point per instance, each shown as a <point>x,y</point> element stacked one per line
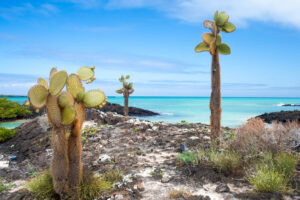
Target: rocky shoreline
<point>282,116</point>
<point>138,148</point>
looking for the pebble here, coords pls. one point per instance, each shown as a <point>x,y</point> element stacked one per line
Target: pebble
<point>104,158</point>
<point>222,188</point>
<point>205,137</point>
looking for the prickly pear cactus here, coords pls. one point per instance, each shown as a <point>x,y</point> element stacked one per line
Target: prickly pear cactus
<point>127,90</point>
<point>66,111</point>
<point>212,42</point>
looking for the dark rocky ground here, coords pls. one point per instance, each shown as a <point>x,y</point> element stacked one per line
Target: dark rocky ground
<point>137,148</point>
<point>282,116</point>
<point>113,107</point>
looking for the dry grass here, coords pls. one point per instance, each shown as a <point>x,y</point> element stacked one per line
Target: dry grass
<point>255,137</point>
<point>175,194</point>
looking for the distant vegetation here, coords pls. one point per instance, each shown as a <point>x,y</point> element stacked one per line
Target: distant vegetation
<point>6,134</point>
<point>12,110</point>
<point>127,90</point>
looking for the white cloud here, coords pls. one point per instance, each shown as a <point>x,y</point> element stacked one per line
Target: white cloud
<point>285,12</point>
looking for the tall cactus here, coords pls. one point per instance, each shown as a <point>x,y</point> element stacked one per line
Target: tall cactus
<point>127,90</point>
<point>212,42</point>
<point>66,111</point>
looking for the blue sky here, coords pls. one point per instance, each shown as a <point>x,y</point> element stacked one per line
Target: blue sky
<point>154,42</point>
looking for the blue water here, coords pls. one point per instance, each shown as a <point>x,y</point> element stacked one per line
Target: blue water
<point>236,110</point>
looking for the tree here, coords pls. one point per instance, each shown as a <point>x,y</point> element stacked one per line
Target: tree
<point>127,90</point>
<point>66,112</point>
<point>212,42</point>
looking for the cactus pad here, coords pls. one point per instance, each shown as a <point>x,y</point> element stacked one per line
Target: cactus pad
<point>202,47</point>
<point>223,49</point>
<point>65,99</point>
<point>228,27</point>
<point>208,38</point>
<point>53,111</point>
<point>85,73</point>
<point>94,98</point>
<point>57,82</point>
<point>222,19</point>
<point>120,91</point>
<point>68,115</point>
<point>210,25</point>
<point>38,96</point>
<point>74,86</point>
<point>43,82</point>
<point>53,70</point>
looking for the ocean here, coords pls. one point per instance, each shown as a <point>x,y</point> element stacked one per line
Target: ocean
<point>236,110</point>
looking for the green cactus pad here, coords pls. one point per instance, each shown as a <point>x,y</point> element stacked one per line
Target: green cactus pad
<point>57,82</point>
<point>94,98</point>
<point>130,85</point>
<point>120,91</point>
<point>208,38</point>
<point>223,49</point>
<point>38,96</point>
<point>128,77</point>
<point>222,19</point>
<point>85,73</point>
<point>68,115</point>
<point>65,99</point>
<point>74,86</point>
<point>228,27</point>
<point>216,15</point>
<point>53,70</point>
<point>53,111</point>
<point>202,47</point>
<point>43,82</point>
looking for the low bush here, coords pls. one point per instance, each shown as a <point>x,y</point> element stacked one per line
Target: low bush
<point>188,157</point>
<point>11,110</point>
<point>225,161</point>
<point>254,138</point>
<point>91,187</point>
<point>179,194</point>
<point>268,179</point>
<point>286,163</point>
<point>6,134</point>
<point>4,186</point>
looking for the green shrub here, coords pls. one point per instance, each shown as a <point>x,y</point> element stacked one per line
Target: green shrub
<point>4,186</point>
<point>286,163</point>
<point>268,179</point>
<point>10,109</point>
<point>6,134</point>
<point>88,131</point>
<point>188,157</point>
<point>91,187</point>
<point>225,161</point>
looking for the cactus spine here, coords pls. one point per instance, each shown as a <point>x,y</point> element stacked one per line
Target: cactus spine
<point>66,111</point>
<point>212,42</point>
<point>127,90</point>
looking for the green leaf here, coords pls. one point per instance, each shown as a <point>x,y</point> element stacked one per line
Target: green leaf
<point>216,15</point>
<point>223,49</point>
<point>228,27</point>
<point>120,91</point>
<point>221,19</point>
<point>201,47</point>
<point>130,85</point>
<point>208,38</point>
<point>128,77</point>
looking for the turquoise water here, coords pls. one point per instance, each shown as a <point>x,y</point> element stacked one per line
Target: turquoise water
<point>11,125</point>
<point>236,110</point>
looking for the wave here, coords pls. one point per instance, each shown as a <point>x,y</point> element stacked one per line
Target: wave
<point>280,104</point>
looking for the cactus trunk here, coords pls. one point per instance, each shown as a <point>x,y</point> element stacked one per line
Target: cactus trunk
<point>215,98</point>
<point>126,96</point>
<point>60,162</point>
<point>75,165</point>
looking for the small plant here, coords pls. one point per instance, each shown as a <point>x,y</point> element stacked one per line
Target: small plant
<point>127,90</point>
<point>136,129</point>
<point>184,122</point>
<point>4,186</point>
<point>156,172</point>
<point>31,171</point>
<point>188,157</point>
<point>225,161</point>
<point>268,179</point>
<point>88,131</point>
<point>6,134</point>
<point>286,163</point>
<point>91,186</point>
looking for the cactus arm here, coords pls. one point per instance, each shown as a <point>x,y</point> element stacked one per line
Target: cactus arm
<point>53,70</point>
<point>37,96</point>
<point>43,82</point>
<point>57,82</point>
